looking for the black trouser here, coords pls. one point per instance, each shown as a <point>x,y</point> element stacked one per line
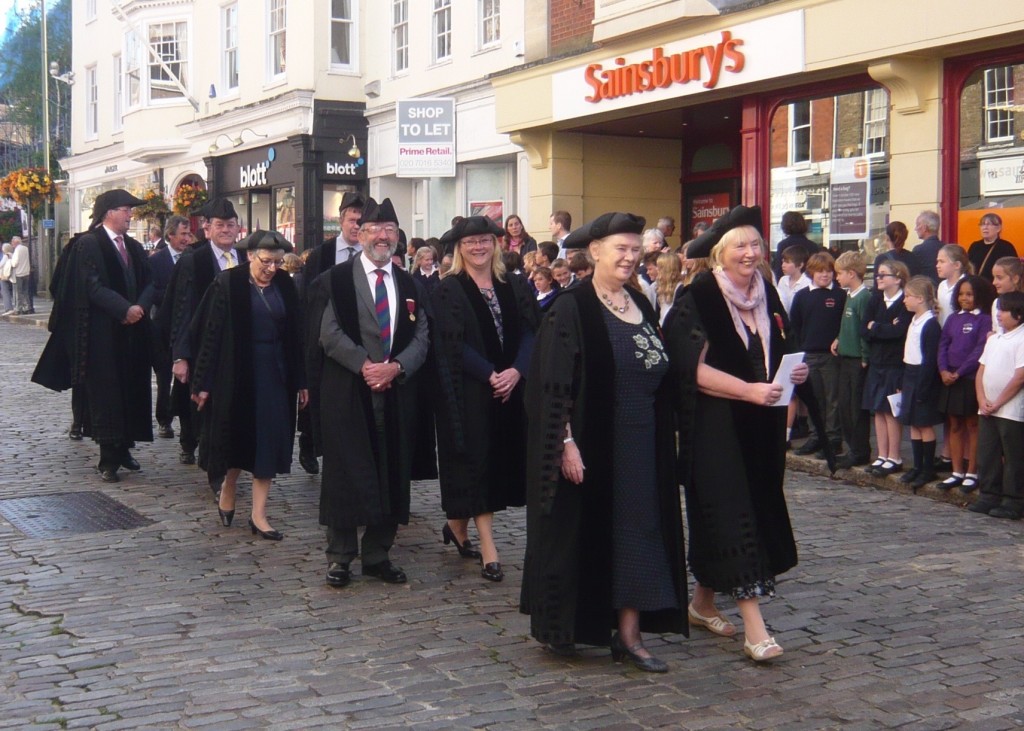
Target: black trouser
<point>78,404</point>
<point>343,544</point>
<point>163,394</point>
<point>304,426</point>
<point>112,455</point>
<point>824,378</point>
<point>854,420</point>
<point>1001,462</point>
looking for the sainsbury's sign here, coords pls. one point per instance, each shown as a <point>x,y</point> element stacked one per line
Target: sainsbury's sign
<point>741,54</point>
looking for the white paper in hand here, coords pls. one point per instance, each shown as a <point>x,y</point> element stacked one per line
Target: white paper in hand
<point>784,376</point>
<point>896,403</point>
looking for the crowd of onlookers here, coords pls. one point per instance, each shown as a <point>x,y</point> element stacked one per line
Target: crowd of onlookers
<point>16,278</point>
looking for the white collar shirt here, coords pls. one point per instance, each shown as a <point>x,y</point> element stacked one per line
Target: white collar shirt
<point>343,250</point>
<point>221,257</point>
<point>389,284</point>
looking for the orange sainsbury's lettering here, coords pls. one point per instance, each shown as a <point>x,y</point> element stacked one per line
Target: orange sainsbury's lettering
<point>661,71</point>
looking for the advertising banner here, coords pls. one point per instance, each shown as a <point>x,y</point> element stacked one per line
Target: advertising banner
<point>426,138</point>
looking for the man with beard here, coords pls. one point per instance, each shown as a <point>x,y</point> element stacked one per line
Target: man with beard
<point>373,339</point>
<point>191,277</point>
<point>101,333</point>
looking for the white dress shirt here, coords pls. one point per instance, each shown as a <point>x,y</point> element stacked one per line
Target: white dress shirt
<point>341,247</point>
<point>389,284</point>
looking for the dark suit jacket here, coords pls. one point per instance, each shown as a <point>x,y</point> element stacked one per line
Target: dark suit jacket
<point>162,265</point>
<point>927,252</point>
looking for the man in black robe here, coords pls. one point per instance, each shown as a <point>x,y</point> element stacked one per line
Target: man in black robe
<point>102,333</point>
<point>191,277</point>
<point>373,339</point>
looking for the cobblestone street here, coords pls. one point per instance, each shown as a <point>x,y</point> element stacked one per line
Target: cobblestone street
<point>904,612</point>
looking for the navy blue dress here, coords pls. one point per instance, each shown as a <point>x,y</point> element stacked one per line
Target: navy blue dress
<point>273,414</point>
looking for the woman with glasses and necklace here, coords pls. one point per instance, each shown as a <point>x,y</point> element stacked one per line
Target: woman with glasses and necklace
<point>249,375</point>
<point>484,324</point>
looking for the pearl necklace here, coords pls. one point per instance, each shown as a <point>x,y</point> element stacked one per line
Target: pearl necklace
<point>611,305</point>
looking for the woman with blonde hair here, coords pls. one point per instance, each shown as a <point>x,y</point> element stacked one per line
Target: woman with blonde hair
<point>668,283</point>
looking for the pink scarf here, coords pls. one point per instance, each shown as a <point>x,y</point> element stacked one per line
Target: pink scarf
<point>753,299</point>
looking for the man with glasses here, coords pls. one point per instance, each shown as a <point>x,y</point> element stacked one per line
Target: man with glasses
<point>372,341</point>
<point>345,245</point>
<point>192,275</point>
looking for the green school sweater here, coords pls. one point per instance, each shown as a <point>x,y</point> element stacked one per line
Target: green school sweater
<point>851,344</point>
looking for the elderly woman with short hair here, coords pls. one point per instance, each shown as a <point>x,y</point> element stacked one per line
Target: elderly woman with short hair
<point>249,374</point>
<point>991,247</point>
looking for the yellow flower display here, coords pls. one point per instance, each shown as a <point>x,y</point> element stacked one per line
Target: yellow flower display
<point>188,199</point>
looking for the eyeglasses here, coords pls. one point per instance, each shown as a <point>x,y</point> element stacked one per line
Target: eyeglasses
<point>883,275</point>
<point>270,263</point>
<point>375,228</point>
<point>484,241</point>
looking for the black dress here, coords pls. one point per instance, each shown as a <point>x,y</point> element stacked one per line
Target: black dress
<point>273,431</point>
<point>641,574</point>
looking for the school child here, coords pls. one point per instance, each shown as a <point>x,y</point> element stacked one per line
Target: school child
<point>815,317</point>
<point>852,350</point>
<point>952,265</point>
<point>960,347</point>
<point>1007,276</point>
<point>793,278</point>
<point>920,392</point>
<point>1001,415</point>
<point>885,328</point>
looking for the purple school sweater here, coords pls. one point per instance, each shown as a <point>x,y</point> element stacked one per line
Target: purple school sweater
<point>963,341</point>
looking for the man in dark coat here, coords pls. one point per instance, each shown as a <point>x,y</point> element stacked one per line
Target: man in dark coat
<point>103,332</point>
<point>373,339</point>
<point>927,229</point>
<point>176,237</point>
<point>189,281</point>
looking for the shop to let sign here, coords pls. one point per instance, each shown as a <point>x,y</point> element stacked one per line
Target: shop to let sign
<point>426,138</point>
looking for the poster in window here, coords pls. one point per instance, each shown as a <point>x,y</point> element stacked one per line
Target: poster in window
<point>849,196</point>
<point>494,210</point>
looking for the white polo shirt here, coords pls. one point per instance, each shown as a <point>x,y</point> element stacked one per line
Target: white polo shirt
<point>1004,354</point>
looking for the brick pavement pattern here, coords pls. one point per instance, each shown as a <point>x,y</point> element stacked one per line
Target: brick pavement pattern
<point>904,612</point>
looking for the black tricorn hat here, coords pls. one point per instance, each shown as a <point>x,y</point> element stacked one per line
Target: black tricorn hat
<point>605,225</point>
<point>383,212</point>
<point>700,247</point>
<point>352,199</point>
<point>271,240</point>
<point>218,208</point>
<point>111,199</point>
<point>471,226</point>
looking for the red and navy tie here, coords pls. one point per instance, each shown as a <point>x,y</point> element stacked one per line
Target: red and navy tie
<point>383,314</point>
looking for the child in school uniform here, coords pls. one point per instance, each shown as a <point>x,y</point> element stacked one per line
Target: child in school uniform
<point>853,352</point>
<point>885,328</point>
<point>952,265</point>
<point>1001,415</point>
<point>794,259</point>
<point>1007,276</point>
<point>920,392</point>
<point>960,347</point>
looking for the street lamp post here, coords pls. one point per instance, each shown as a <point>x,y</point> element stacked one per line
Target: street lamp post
<point>45,70</point>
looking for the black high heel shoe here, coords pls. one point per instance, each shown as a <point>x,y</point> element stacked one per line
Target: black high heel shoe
<point>267,535</point>
<point>226,516</point>
<point>647,664</point>
<point>492,571</point>
<point>465,550</point>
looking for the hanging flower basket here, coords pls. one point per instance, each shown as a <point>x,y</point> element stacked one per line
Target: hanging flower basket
<point>188,199</point>
<point>155,207</point>
<point>29,188</point>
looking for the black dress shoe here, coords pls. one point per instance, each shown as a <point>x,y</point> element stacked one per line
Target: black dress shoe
<point>943,465</point>
<point>226,516</point>
<point>130,463</point>
<point>1005,513</point>
<point>338,575</point>
<point>492,571</point>
<point>562,649</point>
<point>75,432</point>
<point>465,549</point>
<point>309,463</point>
<point>109,476</point>
<point>811,446</point>
<point>386,572</point>
<point>647,664</point>
<point>165,431</point>
<point>186,457</point>
<point>922,479</point>
<point>848,462</point>
<point>983,506</point>
<point>910,475</point>
<point>267,535</point>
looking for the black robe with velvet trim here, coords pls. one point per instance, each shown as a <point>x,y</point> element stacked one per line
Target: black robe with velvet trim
<point>481,441</point>
<point>222,329</point>
<point>732,456</point>
<point>567,585</point>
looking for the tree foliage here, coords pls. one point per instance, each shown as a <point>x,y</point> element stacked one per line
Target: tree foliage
<point>21,88</point>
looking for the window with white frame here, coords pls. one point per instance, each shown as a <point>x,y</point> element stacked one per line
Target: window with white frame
<point>799,132</point>
<point>876,121</point>
<point>90,9</point>
<point>133,51</point>
<point>169,44</point>
<point>400,34</point>
<point>998,102</point>
<point>118,92</point>
<point>277,23</point>
<point>229,40</point>
<point>343,34</point>
<point>92,103</point>
<point>490,22</point>
<point>442,30</point>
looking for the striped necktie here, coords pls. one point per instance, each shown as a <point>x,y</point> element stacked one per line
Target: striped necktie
<point>383,313</point>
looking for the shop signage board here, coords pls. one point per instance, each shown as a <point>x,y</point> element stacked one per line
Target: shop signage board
<point>426,138</point>
<point>1002,175</point>
<point>740,54</point>
<point>849,196</point>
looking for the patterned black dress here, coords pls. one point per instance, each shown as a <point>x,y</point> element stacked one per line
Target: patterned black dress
<point>641,573</point>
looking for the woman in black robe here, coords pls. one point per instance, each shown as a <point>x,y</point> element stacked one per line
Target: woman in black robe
<point>248,373</point>
<point>726,336</point>
<point>484,330</point>
<point>604,534</point>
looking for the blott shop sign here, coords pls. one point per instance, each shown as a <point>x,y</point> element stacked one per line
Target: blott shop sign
<point>741,54</point>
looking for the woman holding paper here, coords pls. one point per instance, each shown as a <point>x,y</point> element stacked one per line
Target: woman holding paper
<point>726,336</point>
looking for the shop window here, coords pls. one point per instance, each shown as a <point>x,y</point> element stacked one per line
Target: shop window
<point>400,34</point>
<point>332,195</point>
<point>999,104</point>
<point>343,34</point>
<point>277,24</point>
<point>488,187</point>
<point>92,103</point>
<point>829,161</point>
<point>168,43</point>
<point>229,54</point>
<point>284,211</point>
<point>442,30</point>
<point>490,22</point>
<point>90,10</point>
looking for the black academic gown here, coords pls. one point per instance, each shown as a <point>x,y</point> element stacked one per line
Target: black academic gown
<point>222,330</point>
<point>481,441</point>
<point>567,587</point>
<point>732,454</point>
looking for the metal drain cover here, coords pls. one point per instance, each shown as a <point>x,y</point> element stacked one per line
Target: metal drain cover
<point>52,516</point>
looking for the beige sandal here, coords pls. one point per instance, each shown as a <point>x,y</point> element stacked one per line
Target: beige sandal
<point>763,651</point>
<point>717,624</point>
